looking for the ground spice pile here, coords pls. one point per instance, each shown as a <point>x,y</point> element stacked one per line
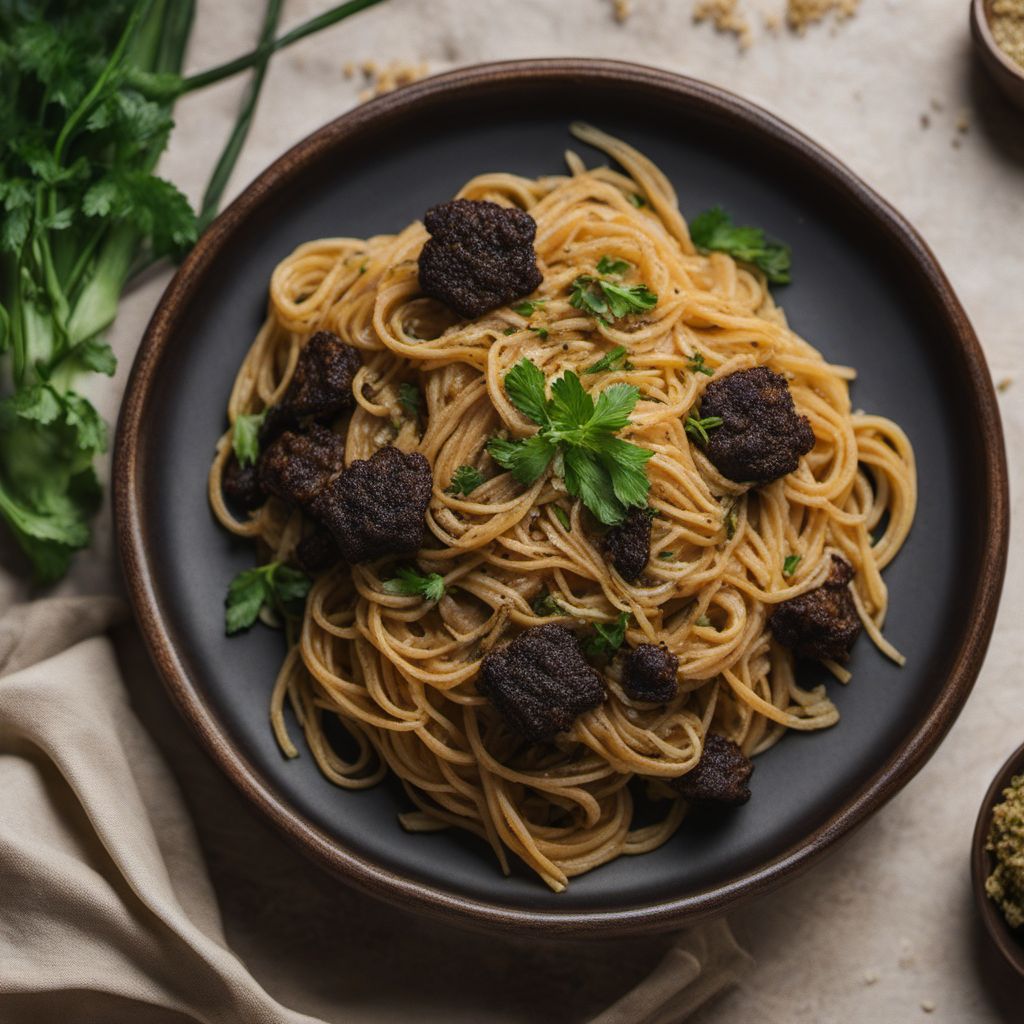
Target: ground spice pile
<point>1005,886</point>
<point>1007,20</point>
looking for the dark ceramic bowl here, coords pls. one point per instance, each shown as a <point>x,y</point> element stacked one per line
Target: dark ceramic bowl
<point>1007,73</point>
<point>1009,941</point>
<point>867,291</point>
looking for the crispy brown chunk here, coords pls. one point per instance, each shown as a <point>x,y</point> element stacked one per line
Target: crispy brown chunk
<point>540,682</point>
<point>628,545</point>
<point>241,485</point>
<point>296,467</point>
<point>376,507</point>
<point>480,256</point>
<point>822,623</point>
<point>720,776</point>
<point>650,674</point>
<point>320,388</point>
<point>316,551</point>
<point>762,436</point>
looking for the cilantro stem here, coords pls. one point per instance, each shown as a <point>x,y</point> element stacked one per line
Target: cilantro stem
<point>248,60</point>
<point>229,156</point>
<point>93,94</point>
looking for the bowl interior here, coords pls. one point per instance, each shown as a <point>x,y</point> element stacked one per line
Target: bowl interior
<point>1009,941</point>
<point>862,299</point>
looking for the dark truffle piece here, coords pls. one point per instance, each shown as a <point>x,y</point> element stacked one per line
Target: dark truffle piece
<point>650,674</point>
<point>720,776</point>
<point>762,436</point>
<point>241,486</point>
<point>316,551</point>
<point>296,467</point>
<point>822,623</point>
<point>540,682</point>
<point>376,507</point>
<point>320,388</point>
<point>480,256</point>
<point>628,545</point>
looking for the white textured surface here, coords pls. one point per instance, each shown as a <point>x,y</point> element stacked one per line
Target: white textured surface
<point>893,904</point>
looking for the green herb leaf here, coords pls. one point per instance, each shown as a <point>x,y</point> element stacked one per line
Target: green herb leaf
<point>245,437</point>
<point>541,332</point>
<point>410,583</point>
<point>613,360</point>
<point>703,621</point>
<point>524,385</point>
<point>609,299</point>
<point>637,200</point>
<point>731,521</point>
<point>610,265</point>
<point>696,365</point>
<point>713,229</point>
<point>608,637</point>
<point>546,605</point>
<point>698,426</point>
<point>527,308</point>
<point>274,585</point>
<point>563,517</point>
<point>409,398</point>
<point>790,564</point>
<point>509,331</point>
<point>465,480</point>
<point>526,459</point>
<point>666,556</point>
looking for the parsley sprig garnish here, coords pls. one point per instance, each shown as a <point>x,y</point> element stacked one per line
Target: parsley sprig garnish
<point>465,480</point>
<point>612,266</point>
<point>274,585</point>
<point>698,426</point>
<point>614,360</point>
<point>605,472</point>
<point>790,563</point>
<point>409,398</point>
<point>410,583</point>
<point>609,300</point>
<point>714,229</point>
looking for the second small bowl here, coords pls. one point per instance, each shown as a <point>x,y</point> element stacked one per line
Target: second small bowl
<point>1007,73</point>
<point>1009,941</point>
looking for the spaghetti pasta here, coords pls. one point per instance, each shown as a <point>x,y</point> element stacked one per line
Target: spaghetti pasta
<point>399,672</point>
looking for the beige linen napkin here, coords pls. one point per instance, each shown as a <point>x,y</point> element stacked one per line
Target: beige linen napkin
<point>107,913</point>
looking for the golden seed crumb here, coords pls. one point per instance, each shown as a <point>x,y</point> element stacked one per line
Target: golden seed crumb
<point>389,77</point>
<point>928,1006</point>
<point>622,9</point>
<point>870,977</point>
<point>1004,384</point>
<point>726,18</point>
<point>801,13</point>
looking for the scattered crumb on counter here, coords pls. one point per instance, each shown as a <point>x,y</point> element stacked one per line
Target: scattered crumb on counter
<point>1005,383</point>
<point>1006,18</point>
<point>801,13</point>
<point>926,121</point>
<point>870,976</point>
<point>621,10</point>
<point>928,1006</point>
<point>907,958</point>
<point>963,123</point>
<point>384,78</point>
<point>956,143</point>
<point>772,22</point>
<point>725,17</point>
<point>938,106</point>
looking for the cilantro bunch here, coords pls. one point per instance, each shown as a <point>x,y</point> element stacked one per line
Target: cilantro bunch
<point>578,434</point>
<point>88,89</point>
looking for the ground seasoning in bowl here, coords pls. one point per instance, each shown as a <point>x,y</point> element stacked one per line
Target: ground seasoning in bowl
<point>1006,19</point>
<point>1005,885</point>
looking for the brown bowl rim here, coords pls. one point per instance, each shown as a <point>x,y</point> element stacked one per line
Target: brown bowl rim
<point>391,885</point>
<point>982,863</point>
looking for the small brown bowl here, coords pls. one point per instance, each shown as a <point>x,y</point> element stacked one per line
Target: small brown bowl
<point>1009,75</point>
<point>1009,941</point>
